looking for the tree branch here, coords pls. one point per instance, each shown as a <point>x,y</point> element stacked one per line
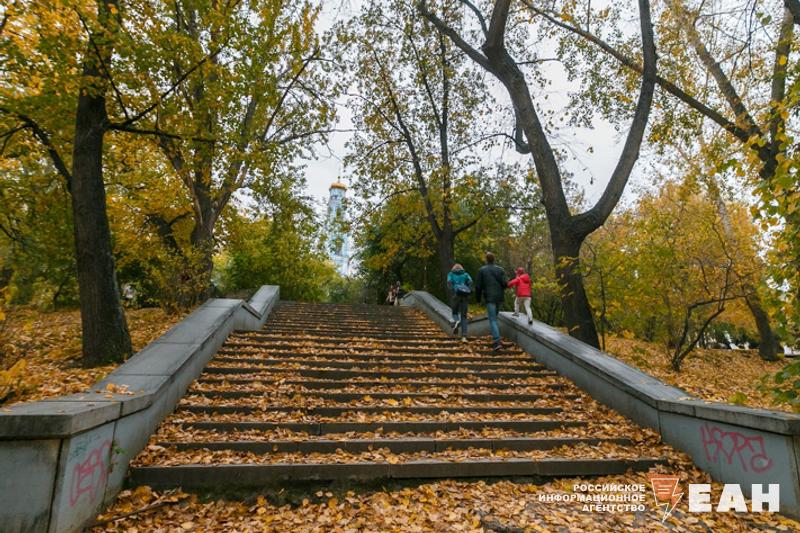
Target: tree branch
<point>158,132</point>
<point>419,174</point>
<point>99,56</point>
<point>665,84</point>
<point>495,37</point>
<point>479,15</point>
<point>794,7</point>
<point>779,73</point>
<point>724,84</point>
<point>44,139</point>
<point>597,215</point>
<point>474,54</point>
<point>140,115</point>
<point>282,99</point>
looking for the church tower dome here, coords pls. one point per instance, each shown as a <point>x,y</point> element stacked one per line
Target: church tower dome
<point>339,241</point>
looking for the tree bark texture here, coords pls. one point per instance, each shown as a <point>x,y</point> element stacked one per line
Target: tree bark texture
<point>104,330</point>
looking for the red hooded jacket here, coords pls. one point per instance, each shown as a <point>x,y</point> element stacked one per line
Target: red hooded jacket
<point>522,283</point>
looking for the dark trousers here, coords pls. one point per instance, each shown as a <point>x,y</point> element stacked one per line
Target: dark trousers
<point>459,308</point>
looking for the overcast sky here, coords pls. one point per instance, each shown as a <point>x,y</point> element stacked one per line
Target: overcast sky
<point>591,169</point>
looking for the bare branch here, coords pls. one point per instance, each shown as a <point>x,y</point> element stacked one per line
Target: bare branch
<point>158,132</point>
<point>481,18</point>
<point>665,84</point>
<point>724,84</point>
<point>474,54</point>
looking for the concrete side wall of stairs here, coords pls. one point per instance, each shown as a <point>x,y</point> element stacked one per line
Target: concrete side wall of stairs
<point>63,458</point>
<point>732,443</point>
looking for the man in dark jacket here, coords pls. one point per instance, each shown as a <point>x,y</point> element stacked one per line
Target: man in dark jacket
<point>490,283</point>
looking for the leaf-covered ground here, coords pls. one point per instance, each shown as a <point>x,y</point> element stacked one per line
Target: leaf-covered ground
<point>40,352</point>
<point>731,376</point>
<point>502,506</point>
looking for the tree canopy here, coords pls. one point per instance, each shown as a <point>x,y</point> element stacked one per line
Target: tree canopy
<point>163,150</point>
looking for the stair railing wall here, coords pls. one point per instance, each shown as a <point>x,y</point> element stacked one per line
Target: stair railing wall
<point>62,459</point>
<point>734,444</point>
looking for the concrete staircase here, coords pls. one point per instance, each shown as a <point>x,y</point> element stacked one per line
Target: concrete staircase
<point>335,392</point>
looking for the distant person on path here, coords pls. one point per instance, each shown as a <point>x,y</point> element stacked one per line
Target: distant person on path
<point>399,293</point>
<point>459,284</point>
<point>396,294</point>
<point>490,284</point>
<point>391,298</point>
<point>522,285</point>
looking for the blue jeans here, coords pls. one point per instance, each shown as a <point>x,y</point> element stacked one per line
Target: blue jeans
<point>491,311</point>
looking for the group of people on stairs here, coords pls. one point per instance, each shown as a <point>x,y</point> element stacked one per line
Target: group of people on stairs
<point>489,285</point>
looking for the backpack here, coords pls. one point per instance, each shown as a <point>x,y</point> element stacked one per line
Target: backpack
<point>462,289</point>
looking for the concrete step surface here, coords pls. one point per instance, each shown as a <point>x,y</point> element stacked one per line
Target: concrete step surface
<point>373,392</point>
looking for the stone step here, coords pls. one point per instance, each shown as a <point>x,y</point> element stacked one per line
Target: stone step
<point>352,328</point>
<point>403,445</point>
<point>360,334</point>
<point>471,412</point>
<point>356,333</point>
<point>241,349</point>
<point>458,352</point>
<point>399,396</point>
<point>372,362</point>
<point>346,309</point>
<point>288,304</point>
<point>258,475</point>
<point>315,384</point>
<point>348,374</point>
<point>371,409</point>
<point>352,322</point>
<point>346,320</point>
<point>424,426</point>
<point>389,319</point>
<point>446,341</point>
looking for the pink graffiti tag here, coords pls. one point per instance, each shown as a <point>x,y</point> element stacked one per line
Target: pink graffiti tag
<point>90,475</point>
<point>750,450</point>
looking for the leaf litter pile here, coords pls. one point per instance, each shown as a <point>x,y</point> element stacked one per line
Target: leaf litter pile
<point>284,404</point>
<point>447,505</point>
<point>731,376</point>
<point>40,351</point>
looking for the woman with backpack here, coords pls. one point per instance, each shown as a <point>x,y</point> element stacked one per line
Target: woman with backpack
<point>522,284</point>
<point>459,284</point>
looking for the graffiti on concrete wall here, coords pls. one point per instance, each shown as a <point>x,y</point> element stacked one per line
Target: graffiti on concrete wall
<point>747,450</point>
<point>89,476</point>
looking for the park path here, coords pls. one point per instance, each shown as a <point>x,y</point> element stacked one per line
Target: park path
<point>336,392</point>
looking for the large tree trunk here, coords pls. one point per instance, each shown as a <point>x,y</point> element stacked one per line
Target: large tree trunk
<point>202,240</point>
<point>445,247</point>
<point>577,310</point>
<point>104,329</point>
<point>768,345</point>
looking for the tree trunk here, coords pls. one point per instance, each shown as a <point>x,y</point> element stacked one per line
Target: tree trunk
<point>202,240</point>
<point>104,329</point>
<point>577,310</point>
<point>445,246</point>
<point>767,344</point>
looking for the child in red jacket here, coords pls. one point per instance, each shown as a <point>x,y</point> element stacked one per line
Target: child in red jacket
<point>522,283</point>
